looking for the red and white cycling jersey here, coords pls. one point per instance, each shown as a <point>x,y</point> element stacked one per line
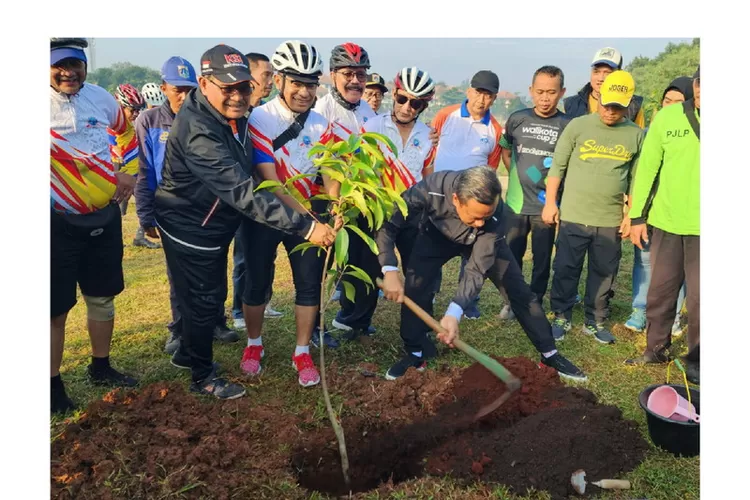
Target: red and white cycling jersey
<point>268,122</point>
<point>413,157</point>
<point>343,121</point>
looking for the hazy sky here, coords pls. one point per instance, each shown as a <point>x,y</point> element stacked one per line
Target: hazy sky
<point>450,60</point>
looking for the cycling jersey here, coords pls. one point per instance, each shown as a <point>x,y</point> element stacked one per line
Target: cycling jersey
<point>268,122</point>
<point>82,172</point>
<point>343,121</point>
<point>416,155</point>
<point>465,142</point>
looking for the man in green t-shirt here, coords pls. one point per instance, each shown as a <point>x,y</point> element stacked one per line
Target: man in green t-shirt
<point>666,196</point>
<point>594,155</point>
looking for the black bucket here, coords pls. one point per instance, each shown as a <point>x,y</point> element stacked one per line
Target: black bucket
<point>678,438</point>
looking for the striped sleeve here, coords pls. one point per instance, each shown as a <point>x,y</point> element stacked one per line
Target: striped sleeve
<point>262,145</point>
<point>494,159</point>
<point>122,134</point>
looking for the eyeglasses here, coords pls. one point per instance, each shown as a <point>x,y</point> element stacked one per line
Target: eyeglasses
<point>361,75</point>
<point>416,104</point>
<point>244,88</point>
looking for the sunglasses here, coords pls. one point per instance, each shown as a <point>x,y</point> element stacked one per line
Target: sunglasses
<point>416,104</point>
<point>244,88</point>
<point>360,75</point>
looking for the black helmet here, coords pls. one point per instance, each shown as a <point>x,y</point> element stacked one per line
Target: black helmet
<point>349,55</point>
<point>68,42</point>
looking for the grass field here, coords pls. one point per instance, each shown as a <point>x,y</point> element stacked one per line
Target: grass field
<point>140,331</point>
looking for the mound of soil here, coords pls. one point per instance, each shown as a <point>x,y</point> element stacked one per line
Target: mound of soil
<point>160,439</point>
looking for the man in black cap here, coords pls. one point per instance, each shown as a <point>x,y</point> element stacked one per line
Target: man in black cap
<point>207,186</point>
<point>469,136</point>
<point>375,89</point>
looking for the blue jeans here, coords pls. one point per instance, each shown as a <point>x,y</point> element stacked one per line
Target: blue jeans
<point>642,279</point>
<point>238,276</point>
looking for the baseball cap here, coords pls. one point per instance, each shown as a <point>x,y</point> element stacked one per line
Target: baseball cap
<point>486,80</point>
<point>618,88</point>
<point>64,48</point>
<point>179,72</point>
<point>375,80</point>
<point>226,64</point>
<point>609,56</point>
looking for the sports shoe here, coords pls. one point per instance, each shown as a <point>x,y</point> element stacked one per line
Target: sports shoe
<point>110,377</point>
<point>600,333</point>
<point>649,358</point>
<point>308,374</point>
<point>185,363</point>
<point>329,340</point>
<point>472,312</point>
<point>172,344</point>
<point>223,333</point>
<point>143,242</point>
<point>564,367</point>
<point>60,402</point>
<point>239,323</point>
<point>251,356</point>
<point>637,320</point>
<point>507,312</point>
<point>271,313</point>
<point>692,371</point>
<point>218,387</point>
<point>408,361</point>
<point>560,326</point>
<point>371,330</point>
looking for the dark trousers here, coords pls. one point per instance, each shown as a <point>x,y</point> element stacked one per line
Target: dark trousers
<point>674,258</point>
<point>238,275</point>
<point>518,228</point>
<point>358,314</point>
<point>199,278</point>
<point>602,244</point>
<point>430,252</point>
<point>175,326</point>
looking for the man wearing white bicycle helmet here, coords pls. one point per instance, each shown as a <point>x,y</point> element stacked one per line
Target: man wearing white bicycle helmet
<point>283,131</point>
<point>153,95</point>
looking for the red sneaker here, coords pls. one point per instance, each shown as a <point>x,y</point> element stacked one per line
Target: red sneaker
<point>250,364</point>
<point>308,374</point>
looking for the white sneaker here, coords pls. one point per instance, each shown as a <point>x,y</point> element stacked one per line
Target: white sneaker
<point>239,323</point>
<point>271,312</point>
<point>507,312</point>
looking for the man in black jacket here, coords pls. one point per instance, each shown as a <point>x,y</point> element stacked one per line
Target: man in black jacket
<point>207,186</point>
<point>586,101</point>
<point>458,213</point>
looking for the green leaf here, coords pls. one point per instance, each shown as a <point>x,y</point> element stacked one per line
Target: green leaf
<point>399,201</point>
<point>294,193</point>
<point>366,187</point>
<point>367,239</point>
<point>384,139</point>
<point>341,246</point>
<point>323,196</point>
<point>349,290</point>
<point>302,247</point>
<point>353,142</point>
<point>317,149</point>
<point>377,209</point>
<point>268,185</point>
<point>364,167</point>
<point>374,152</point>
<point>333,174</point>
<point>359,273</point>
<point>346,188</point>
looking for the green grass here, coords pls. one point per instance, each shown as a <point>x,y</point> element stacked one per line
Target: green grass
<point>140,332</point>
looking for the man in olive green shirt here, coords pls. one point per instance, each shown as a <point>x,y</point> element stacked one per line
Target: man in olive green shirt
<point>666,196</point>
<point>594,156</point>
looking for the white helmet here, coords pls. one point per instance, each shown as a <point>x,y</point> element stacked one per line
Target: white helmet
<point>297,58</point>
<point>153,95</point>
<point>415,82</point>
